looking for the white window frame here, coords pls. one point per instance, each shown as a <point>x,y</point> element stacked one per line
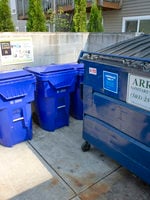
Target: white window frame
<point>137,18</point>
<point>13,7</point>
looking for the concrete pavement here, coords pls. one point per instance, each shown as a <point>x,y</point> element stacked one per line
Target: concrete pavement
<point>52,166</point>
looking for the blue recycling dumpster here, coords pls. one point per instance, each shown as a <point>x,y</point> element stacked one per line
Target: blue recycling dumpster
<point>16,94</point>
<point>116,103</point>
<point>52,99</point>
<point>76,99</point>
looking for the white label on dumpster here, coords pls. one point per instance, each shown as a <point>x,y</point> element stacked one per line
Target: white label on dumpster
<point>92,71</point>
<point>138,91</point>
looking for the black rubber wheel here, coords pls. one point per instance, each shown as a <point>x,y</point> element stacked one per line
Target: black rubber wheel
<point>85,146</point>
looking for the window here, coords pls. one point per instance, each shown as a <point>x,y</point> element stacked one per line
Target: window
<point>47,4</point>
<point>144,26</point>
<point>13,7</point>
<point>22,7</point>
<point>131,26</point>
<point>136,24</point>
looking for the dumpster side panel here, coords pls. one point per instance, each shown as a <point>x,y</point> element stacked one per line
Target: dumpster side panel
<point>127,151</point>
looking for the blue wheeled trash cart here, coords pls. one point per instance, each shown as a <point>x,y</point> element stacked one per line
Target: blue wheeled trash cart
<point>17,89</point>
<point>116,101</point>
<point>52,99</point>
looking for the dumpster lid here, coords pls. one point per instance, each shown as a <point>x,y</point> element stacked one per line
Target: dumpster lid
<point>132,53</point>
<point>138,47</point>
<point>5,75</point>
<point>42,70</point>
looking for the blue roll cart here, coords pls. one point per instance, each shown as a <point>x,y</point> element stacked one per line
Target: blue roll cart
<point>17,89</point>
<point>52,99</point>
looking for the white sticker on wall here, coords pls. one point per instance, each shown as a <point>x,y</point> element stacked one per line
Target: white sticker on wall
<point>16,50</point>
<point>138,91</point>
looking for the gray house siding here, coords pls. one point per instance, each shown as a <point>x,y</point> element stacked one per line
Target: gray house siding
<point>113,19</point>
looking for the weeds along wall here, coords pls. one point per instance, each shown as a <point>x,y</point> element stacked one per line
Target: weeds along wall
<point>47,48</point>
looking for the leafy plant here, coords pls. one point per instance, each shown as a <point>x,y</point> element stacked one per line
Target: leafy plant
<point>59,20</point>
<point>79,17</point>
<point>6,23</point>
<point>95,21</point>
<point>36,18</point>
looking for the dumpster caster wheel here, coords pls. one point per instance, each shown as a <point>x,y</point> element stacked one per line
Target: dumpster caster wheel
<point>85,146</point>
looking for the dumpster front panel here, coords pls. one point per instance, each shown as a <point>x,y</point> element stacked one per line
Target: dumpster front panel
<point>132,121</point>
<point>109,80</point>
<point>131,154</point>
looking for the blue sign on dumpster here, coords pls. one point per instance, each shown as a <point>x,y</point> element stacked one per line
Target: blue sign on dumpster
<point>110,81</point>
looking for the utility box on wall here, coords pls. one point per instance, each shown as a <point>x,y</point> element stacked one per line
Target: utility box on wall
<point>116,99</point>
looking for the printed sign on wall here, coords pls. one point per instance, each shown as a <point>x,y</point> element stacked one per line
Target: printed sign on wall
<point>138,92</point>
<point>18,50</point>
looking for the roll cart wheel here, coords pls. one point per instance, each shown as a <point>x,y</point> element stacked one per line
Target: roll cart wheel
<point>85,146</point>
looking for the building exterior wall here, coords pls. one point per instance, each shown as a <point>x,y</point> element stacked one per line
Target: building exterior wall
<point>113,19</point>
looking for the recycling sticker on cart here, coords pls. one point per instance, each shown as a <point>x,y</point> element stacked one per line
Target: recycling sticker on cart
<point>138,91</point>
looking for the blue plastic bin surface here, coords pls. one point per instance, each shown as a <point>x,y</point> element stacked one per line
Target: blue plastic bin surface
<point>16,94</point>
<point>52,101</point>
<point>76,101</point>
